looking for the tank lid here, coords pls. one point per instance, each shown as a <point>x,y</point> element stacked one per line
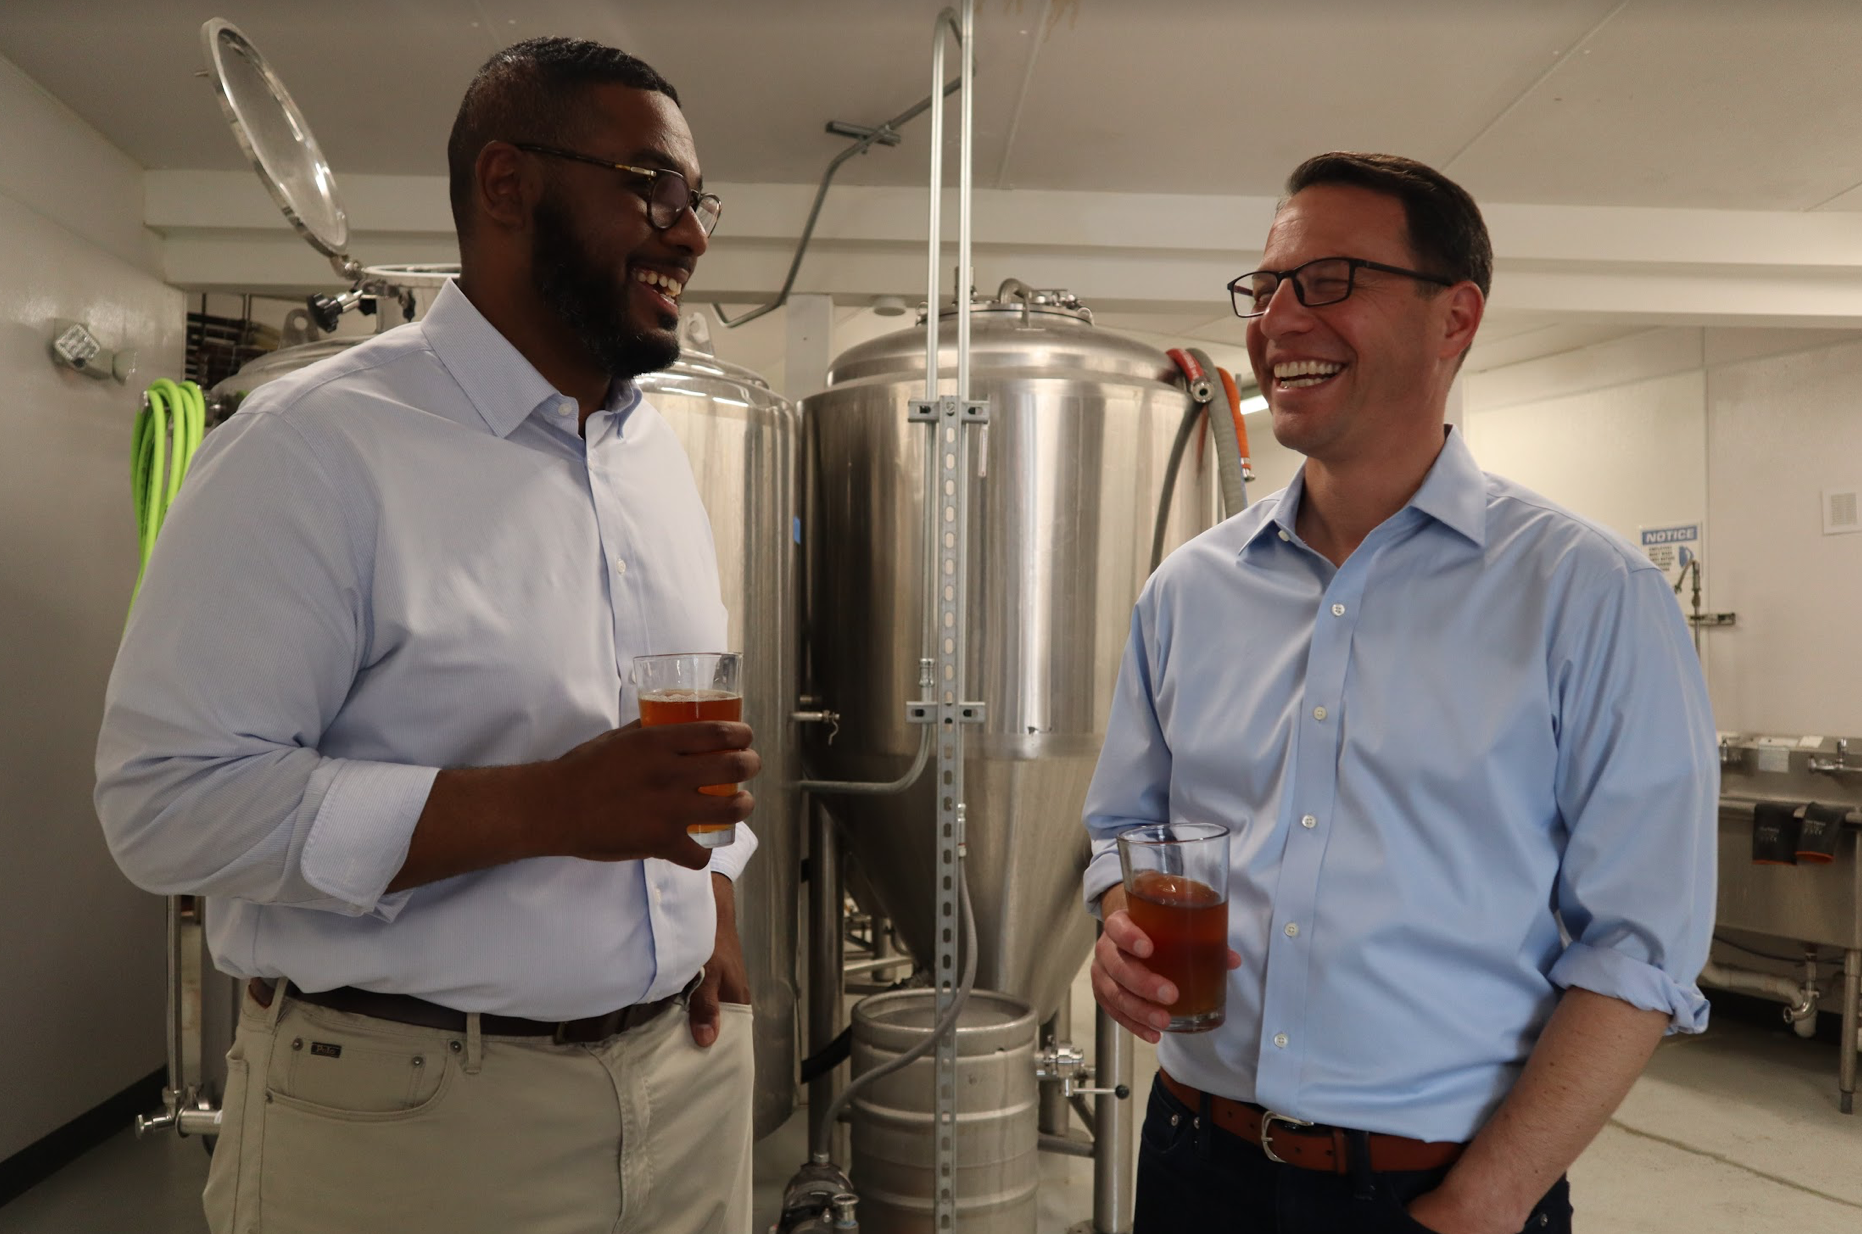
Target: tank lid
<point>277,139</point>
<point>1015,296</point>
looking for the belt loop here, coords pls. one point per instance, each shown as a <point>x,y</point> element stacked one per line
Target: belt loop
<point>1356,1149</point>
<point>475,1044</point>
<point>1204,1125</point>
<point>276,1010</point>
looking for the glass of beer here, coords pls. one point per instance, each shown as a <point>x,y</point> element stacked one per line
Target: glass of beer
<point>1176,891</point>
<point>689,686</point>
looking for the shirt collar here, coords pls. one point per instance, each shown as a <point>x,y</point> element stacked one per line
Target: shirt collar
<point>1454,494</point>
<point>503,386</point>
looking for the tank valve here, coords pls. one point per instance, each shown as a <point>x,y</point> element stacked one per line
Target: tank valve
<point>1066,1062</point>
<point>829,718</point>
<point>819,1199</point>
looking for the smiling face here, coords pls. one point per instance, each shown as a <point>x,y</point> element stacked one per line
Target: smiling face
<point>595,259</point>
<point>1353,380</point>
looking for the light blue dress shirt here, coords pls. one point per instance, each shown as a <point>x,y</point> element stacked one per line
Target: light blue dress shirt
<point>401,559</point>
<point>1488,722</point>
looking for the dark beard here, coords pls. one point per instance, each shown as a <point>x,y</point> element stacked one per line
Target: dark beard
<point>590,301</point>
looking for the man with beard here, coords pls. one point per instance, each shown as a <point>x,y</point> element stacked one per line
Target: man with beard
<point>371,706</point>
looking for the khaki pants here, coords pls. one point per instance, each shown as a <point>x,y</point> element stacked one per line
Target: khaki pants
<point>345,1124</point>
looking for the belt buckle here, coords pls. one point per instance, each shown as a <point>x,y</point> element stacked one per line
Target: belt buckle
<point>1268,1119</point>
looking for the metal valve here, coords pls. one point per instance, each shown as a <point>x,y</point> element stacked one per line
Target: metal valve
<point>1066,1062</point>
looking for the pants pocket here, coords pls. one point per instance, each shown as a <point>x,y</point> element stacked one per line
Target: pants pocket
<point>322,1065</point>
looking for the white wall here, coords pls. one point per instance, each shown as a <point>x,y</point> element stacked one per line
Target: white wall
<point>1782,428</point>
<point>80,949</point>
<point>1742,428</point>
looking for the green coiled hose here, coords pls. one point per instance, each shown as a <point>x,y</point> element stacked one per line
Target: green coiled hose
<point>169,427</point>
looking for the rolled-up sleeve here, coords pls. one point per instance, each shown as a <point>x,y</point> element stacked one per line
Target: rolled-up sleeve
<point>730,859</point>
<point>1638,789</point>
<point>246,639</point>
<point>1131,783</point>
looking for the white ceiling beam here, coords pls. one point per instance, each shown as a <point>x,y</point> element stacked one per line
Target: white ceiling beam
<point>1118,251</point>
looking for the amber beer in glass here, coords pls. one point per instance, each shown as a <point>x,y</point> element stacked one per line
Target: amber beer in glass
<point>689,686</point>
<point>1176,891</point>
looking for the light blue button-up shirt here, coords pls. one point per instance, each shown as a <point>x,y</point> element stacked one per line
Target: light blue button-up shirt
<point>401,559</point>
<point>1488,722</point>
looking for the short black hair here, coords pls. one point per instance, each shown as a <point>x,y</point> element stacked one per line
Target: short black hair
<point>534,91</point>
<point>1446,231</point>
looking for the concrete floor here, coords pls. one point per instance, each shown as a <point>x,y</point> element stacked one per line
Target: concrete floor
<point>1731,1132</point>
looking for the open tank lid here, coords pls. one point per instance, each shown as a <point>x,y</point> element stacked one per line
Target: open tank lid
<point>274,135</point>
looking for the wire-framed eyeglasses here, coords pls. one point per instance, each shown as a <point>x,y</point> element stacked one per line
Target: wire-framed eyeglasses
<point>667,194</point>
<point>1324,280</point>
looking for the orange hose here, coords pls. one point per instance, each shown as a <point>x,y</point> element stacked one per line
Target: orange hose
<point>1241,425</point>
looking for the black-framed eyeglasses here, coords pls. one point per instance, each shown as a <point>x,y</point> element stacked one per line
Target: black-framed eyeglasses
<point>1324,280</point>
<point>667,194</point>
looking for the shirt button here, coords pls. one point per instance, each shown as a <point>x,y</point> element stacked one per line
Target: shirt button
<point>620,567</point>
<point>1280,1040</point>
<point>1309,822</point>
<point>1285,536</point>
<point>1318,713</point>
<point>565,408</point>
<point>1338,610</point>
<point>1293,930</point>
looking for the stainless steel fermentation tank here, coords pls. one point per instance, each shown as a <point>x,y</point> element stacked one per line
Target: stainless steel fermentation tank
<point>1064,489</point>
<point>742,441</point>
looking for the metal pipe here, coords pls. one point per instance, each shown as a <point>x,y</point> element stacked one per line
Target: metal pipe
<point>1056,1114</point>
<point>1852,1038</point>
<point>177,1075</point>
<point>1800,999</point>
<point>1112,1123</point>
<point>966,143</point>
<point>1066,1146</point>
<point>862,788</point>
<point>854,968</point>
<point>1805,1024</point>
<point>935,222</point>
<point>880,134</point>
<point>824,968</point>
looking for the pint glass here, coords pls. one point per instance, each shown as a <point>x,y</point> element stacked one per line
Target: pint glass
<point>689,686</point>
<point>1176,891</point>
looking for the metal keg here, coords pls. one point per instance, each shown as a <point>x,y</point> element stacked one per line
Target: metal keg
<point>996,1137</point>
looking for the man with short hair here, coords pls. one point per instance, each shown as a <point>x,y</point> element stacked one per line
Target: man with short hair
<point>1463,745</point>
<point>371,705</point>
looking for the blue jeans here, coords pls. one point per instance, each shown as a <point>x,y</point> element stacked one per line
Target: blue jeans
<point>1200,1180</point>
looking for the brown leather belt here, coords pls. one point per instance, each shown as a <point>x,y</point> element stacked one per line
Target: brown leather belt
<point>406,1009</point>
<point>1310,1147</point>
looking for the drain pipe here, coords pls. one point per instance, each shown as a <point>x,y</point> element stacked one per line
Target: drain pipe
<point>1800,1000</point>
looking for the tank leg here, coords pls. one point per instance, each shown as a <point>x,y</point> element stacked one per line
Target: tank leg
<point>825,957</point>
<point>1056,1112</point>
<point>1112,1162</point>
<point>1852,997</point>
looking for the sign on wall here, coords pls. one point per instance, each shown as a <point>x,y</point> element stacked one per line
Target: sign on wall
<point>1672,547</point>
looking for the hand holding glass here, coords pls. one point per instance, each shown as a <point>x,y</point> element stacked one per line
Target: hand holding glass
<point>1176,891</point>
<point>687,687</point>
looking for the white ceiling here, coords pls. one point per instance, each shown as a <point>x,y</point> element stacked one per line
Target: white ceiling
<point>1552,112</point>
<point>1733,104</point>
